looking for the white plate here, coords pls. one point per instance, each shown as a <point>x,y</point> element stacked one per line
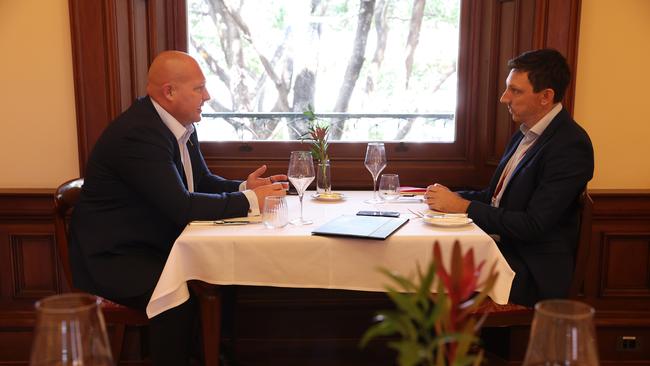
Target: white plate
<point>332,197</point>
<point>437,214</point>
<point>452,221</point>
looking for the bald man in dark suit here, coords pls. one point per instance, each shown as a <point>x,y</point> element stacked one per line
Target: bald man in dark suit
<point>145,181</point>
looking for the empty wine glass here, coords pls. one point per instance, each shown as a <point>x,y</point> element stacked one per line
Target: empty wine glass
<point>70,331</point>
<point>389,187</point>
<point>562,333</point>
<point>375,162</point>
<point>301,174</point>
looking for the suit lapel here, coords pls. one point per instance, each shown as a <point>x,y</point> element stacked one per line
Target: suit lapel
<point>176,151</point>
<point>512,147</point>
<point>541,141</point>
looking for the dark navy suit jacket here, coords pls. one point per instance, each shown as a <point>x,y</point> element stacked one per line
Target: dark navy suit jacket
<point>134,204</point>
<point>538,215</point>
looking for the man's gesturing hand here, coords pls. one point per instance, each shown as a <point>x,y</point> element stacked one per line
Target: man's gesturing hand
<point>255,179</point>
<point>275,189</point>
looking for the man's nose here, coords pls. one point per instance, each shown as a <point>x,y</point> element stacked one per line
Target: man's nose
<point>505,99</point>
<point>206,95</point>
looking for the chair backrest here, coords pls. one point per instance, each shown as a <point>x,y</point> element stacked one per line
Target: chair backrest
<point>584,245</point>
<point>65,198</point>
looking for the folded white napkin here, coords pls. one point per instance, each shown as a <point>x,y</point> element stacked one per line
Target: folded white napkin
<point>232,221</point>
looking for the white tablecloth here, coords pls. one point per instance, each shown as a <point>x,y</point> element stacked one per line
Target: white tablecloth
<point>292,257</point>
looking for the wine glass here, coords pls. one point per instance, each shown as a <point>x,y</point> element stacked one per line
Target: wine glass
<point>562,333</point>
<point>70,330</point>
<point>301,174</point>
<point>389,187</point>
<point>375,162</point>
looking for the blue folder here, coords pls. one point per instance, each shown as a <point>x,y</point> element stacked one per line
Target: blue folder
<point>370,227</point>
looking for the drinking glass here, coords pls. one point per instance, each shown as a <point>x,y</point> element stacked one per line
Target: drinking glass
<point>70,331</point>
<point>276,213</point>
<point>375,162</point>
<point>563,334</point>
<point>301,174</point>
<point>389,187</point>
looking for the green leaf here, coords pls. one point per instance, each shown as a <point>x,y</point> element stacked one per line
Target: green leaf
<point>383,328</point>
<point>406,303</point>
<point>408,352</point>
<point>406,284</point>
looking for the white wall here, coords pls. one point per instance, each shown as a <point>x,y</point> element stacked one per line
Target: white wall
<point>612,90</point>
<point>36,95</point>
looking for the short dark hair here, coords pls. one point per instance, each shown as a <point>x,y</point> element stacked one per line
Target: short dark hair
<point>546,68</point>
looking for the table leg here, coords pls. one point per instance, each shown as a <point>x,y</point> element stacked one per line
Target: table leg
<point>209,296</point>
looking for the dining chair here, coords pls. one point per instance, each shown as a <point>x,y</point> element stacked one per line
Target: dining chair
<point>513,314</point>
<point>583,248</point>
<point>115,315</point>
<point>506,325</point>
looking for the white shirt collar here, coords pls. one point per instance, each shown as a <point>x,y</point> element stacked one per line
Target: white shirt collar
<point>541,125</point>
<point>172,123</point>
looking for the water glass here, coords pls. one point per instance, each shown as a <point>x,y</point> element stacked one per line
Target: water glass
<point>275,213</point>
<point>563,334</point>
<point>389,187</point>
<point>70,330</point>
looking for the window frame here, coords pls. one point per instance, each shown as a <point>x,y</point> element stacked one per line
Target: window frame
<point>408,159</point>
<point>114,41</point>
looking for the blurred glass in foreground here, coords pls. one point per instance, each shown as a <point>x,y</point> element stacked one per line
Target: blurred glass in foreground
<point>563,334</point>
<point>70,331</point>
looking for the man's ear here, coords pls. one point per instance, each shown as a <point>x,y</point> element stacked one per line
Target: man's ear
<point>168,91</point>
<point>547,96</point>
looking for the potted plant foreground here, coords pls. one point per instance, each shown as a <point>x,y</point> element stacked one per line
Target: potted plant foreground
<point>436,328</point>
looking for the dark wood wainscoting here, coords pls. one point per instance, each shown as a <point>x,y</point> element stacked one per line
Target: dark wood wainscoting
<point>319,327</point>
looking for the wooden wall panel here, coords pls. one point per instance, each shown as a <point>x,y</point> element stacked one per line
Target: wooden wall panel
<point>626,265</point>
<point>502,124</point>
<point>34,266</point>
<point>94,104</point>
<point>616,285</point>
<point>29,267</point>
<point>560,20</point>
<point>113,42</point>
<point>618,270</point>
<point>508,28</point>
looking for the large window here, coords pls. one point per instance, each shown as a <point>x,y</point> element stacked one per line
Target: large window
<point>114,42</point>
<point>375,70</point>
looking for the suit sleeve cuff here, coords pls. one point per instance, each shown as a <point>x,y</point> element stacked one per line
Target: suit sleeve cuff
<point>254,207</point>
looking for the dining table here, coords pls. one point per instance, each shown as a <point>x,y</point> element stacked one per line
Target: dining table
<point>250,254</point>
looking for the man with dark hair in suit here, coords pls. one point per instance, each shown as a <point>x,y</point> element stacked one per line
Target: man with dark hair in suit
<point>145,180</point>
<point>532,200</point>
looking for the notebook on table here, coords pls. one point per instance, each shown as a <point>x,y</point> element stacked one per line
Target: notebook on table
<point>369,227</point>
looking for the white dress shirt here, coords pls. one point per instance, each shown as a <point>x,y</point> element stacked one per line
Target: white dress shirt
<point>530,136</point>
<point>182,134</point>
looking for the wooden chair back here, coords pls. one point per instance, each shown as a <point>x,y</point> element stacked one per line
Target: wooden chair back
<point>65,198</point>
<point>118,316</point>
<point>512,314</point>
<point>583,247</point>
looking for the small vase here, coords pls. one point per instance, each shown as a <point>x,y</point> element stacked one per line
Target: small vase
<point>323,178</point>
